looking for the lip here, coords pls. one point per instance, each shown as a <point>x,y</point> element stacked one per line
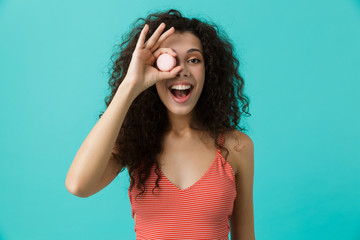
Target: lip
<point>183,100</point>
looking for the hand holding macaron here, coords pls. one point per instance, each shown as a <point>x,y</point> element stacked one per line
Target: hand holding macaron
<point>142,72</point>
<point>165,62</point>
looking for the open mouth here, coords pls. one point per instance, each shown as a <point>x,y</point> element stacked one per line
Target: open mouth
<point>181,95</point>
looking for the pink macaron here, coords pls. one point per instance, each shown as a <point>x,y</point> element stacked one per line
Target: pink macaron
<point>165,62</point>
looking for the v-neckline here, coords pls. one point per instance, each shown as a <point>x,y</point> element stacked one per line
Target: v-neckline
<point>198,181</point>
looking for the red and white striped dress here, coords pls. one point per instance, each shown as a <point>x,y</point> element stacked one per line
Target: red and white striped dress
<point>201,211</point>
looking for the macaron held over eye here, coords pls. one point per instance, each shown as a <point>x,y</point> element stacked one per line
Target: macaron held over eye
<point>165,62</point>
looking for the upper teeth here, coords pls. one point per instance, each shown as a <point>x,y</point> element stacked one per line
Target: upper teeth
<point>180,87</point>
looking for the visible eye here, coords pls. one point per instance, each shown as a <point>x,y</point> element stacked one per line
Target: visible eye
<point>194,60</point>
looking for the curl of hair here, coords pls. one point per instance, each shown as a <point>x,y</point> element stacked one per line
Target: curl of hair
<point>218,110</point>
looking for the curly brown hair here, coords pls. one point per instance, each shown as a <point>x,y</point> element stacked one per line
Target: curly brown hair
<point>139,139</point>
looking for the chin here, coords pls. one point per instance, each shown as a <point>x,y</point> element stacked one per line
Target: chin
<point>180,112</point>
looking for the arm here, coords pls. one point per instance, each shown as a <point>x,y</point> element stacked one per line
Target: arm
<point>93,156</point>
<point>242,220</point>
<point>93,166</point>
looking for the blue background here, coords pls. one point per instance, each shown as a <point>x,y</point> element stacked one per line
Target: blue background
<point>300,61</point>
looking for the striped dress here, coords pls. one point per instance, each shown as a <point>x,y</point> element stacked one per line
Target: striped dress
<point>201,211</point>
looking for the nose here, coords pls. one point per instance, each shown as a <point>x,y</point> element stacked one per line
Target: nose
<point>184,72</point>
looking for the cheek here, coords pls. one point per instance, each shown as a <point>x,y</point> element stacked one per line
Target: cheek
<point>201,77</point>
<point>160,88</point>
<point>202,85</point>
<point>202,82</point>
<point>202,73</point>
<point>157,89</point>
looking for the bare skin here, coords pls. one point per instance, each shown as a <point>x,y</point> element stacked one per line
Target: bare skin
<point>93,167</point>
<point>186,156</point>
<point>188,153</point>
<point>185,160</point>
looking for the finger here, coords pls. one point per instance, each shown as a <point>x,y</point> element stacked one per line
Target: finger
<point>163,36</point>
<point>152,40</point>
<point>171,74</point>
<point>160,51</point>
<point>141,40</point>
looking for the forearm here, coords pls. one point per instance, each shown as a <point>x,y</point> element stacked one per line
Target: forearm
<point>93,155</point>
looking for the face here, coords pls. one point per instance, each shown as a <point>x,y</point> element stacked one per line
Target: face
<point>189,56</point>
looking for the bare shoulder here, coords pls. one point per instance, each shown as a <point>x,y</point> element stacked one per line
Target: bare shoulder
<point>241,149</point>
<point>242,219</point>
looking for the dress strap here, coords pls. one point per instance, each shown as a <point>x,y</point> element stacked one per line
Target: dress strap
<point>222,139</point>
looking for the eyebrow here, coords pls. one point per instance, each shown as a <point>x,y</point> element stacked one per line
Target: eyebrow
<point>191,50</point>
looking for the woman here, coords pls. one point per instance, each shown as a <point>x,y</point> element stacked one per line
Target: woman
<point>166,127</point>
